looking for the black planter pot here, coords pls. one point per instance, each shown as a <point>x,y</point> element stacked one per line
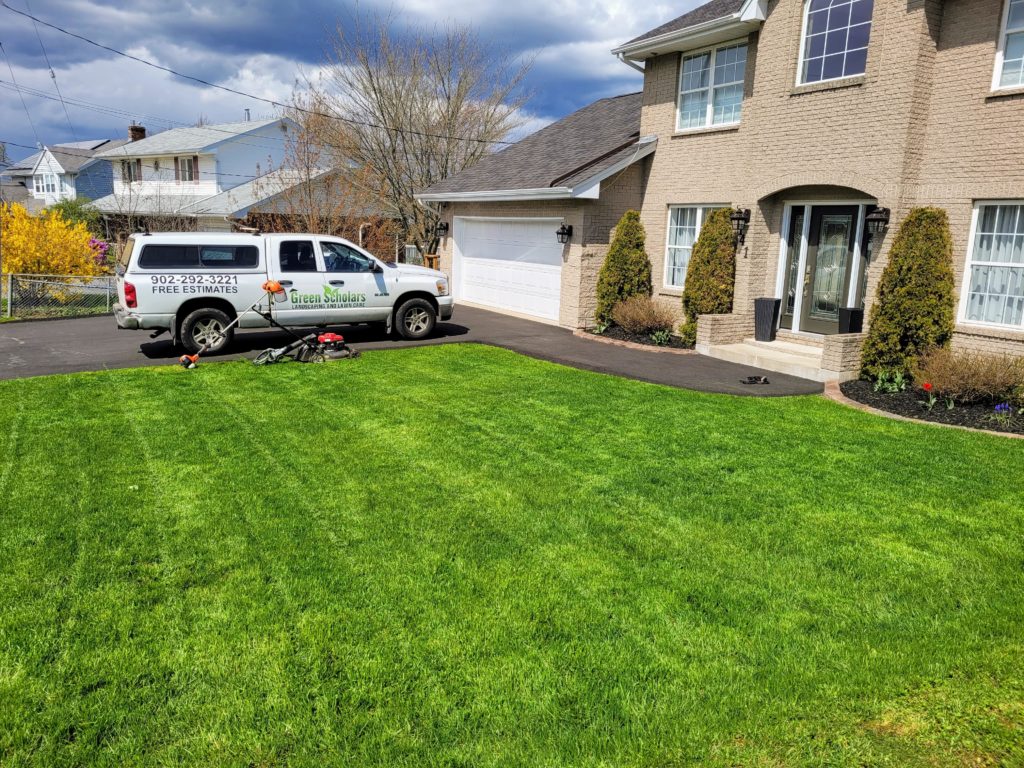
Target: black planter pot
<point>766,318</point>
<point>851,320</point>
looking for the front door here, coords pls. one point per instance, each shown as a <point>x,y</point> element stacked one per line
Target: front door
<point>826,280</point>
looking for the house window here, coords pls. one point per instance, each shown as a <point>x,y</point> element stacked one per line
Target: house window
<point>711,87</point>
<point>131,170</point>
<point>835,39</point>
<point>44,183</point>
<point>684,223</point>
<point>186,169</point>
<point>995,275</point>
<point>1010,58</point>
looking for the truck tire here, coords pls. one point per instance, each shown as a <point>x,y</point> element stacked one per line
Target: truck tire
<point>206,326</point>
<point>415,319</point>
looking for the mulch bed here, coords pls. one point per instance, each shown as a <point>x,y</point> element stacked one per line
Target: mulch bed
<point>908,403</point>
<point>615,332</point>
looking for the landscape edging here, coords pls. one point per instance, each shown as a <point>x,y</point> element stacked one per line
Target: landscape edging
<point>834,393</point>
<point>631,344</point>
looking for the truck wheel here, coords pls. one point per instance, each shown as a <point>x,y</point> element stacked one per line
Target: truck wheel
<point>206,327</point>
<point>415,319</point>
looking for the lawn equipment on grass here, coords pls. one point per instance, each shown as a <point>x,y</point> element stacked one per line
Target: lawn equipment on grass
<point>272,290</point>
<point>314,348</point>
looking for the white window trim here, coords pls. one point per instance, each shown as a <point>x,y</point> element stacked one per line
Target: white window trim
<point>702,209</point>
<point>803,44</point>
<point>710,110</point>
<point>182,159</point>
<point>1004,33</point>
<point>965,280</point>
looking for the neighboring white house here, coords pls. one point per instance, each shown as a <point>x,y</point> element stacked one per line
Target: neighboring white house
<point>209,173</point>
<point>64,172</point>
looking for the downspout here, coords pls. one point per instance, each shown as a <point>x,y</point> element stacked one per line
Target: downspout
<point>361,228</point>
<point>622,57</point>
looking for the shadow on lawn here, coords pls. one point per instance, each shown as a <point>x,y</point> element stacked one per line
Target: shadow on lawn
<point>257,340</point>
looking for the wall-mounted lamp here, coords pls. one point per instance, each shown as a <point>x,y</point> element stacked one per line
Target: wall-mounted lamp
<point>877,220</point>
<point>441,229</point>
<point>564,233</point>
<point>740,219</point>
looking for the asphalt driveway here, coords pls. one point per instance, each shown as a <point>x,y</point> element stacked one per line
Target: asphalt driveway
<point>95,343</point>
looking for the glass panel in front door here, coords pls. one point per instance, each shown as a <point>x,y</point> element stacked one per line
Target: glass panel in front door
<point>829,277</point>
<point>793,240</point>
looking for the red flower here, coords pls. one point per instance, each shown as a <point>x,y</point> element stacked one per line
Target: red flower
<point>927,387</point>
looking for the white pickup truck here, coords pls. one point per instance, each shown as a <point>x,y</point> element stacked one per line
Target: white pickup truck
<point>194,284</point>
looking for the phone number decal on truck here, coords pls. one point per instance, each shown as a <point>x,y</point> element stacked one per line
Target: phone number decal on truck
<point>195,279</point>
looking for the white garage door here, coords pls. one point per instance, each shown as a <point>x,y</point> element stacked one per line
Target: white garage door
<point>513,264</point>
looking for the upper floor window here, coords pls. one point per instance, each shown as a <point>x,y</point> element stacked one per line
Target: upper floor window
<point>1010,58</point>
<point>131,170</point>
<point>186,168</point>
<point>994,285</point>
<point>835,39</point>
<point>711,87</point>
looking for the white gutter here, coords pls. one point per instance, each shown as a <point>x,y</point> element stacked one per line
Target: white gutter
<point>495,195</point>
<point>587,189</point>
<point>748,18</point>
<point>621,57</point>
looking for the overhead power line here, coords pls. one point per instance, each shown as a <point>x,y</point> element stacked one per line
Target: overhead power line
<point>278,104</point>
<point>23,103</point>
<point>53,75</point>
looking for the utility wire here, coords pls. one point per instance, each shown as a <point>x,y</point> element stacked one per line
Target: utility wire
<point>123,113</point>
<point>237,92</point>
<point>13,80</point>
<point>53,75</point>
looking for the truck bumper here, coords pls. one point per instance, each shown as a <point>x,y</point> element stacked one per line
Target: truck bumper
<point>125,321</point>
<point>445,309</point>
<point>129,321</point>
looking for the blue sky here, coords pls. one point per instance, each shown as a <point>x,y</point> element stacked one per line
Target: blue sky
<point>262,47</point>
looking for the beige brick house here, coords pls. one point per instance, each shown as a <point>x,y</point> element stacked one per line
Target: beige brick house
<point>812,114</point>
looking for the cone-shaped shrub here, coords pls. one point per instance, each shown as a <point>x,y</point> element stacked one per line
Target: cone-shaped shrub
<point>711,273</point>
<point>914,308</point>
<point>626,270</point>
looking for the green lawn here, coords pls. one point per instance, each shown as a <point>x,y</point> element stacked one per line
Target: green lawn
<point>457,556</point>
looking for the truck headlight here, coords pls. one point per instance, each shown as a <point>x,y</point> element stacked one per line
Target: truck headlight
<point>442,287</point>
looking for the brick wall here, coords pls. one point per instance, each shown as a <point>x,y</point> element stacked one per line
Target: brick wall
<point>920,127</point>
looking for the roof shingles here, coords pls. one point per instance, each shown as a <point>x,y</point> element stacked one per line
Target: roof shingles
<point>579,144</point>
<point>716,9</point>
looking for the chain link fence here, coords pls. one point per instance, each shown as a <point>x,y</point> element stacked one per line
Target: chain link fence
<point>37,296</point>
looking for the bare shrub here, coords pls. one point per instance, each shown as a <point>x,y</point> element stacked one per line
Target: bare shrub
<point>642,315</point>
<point>969,377</point>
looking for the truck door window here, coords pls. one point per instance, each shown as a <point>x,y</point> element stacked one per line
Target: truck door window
<point>297,256</point>
<point>341,258</point>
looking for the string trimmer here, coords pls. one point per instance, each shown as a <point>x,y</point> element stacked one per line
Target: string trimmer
<point>272,291</point>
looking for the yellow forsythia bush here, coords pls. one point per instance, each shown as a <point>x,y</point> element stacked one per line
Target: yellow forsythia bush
<point>46,244</point>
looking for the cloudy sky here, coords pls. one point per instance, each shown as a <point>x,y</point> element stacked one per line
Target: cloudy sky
<point>262,46</point>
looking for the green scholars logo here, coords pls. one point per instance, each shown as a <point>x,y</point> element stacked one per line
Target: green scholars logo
<point>330,297</point>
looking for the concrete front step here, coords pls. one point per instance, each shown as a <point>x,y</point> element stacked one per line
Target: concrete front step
<point>780,357</point>
<point>789,347</point>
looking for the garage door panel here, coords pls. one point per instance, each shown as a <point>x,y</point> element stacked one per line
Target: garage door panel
<point>511,264</point>
<point>533,289</point>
